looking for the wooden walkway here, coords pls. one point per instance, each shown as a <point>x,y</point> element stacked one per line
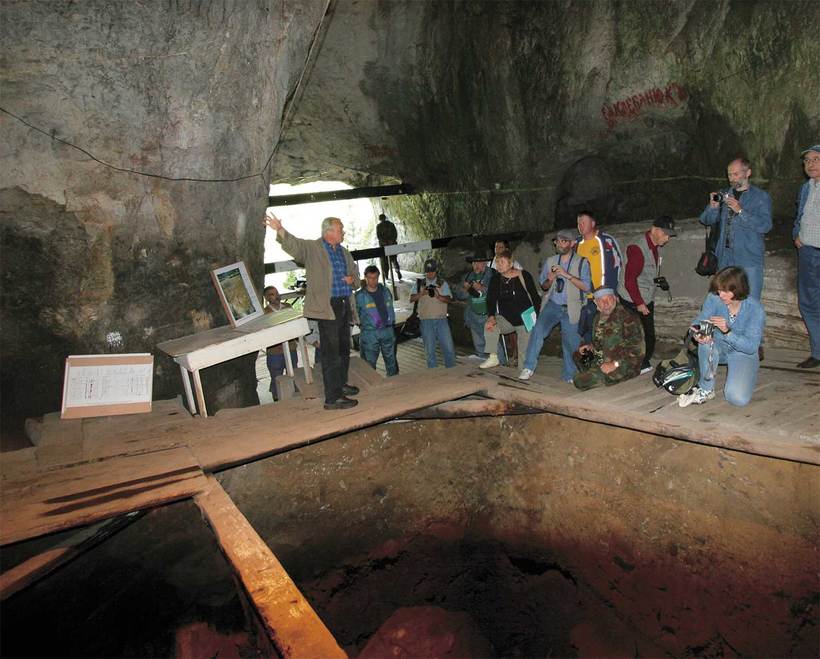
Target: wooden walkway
<point>782,421</point>
<point>87,470</point>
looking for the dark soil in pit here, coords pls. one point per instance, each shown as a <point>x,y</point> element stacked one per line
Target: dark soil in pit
<point>524,606</point>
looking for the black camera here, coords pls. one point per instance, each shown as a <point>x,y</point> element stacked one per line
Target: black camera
<point>718,197</point>
<point>661,283</point>
<point>590,358</point>
<point>705,329</point>
<point>431,291</point>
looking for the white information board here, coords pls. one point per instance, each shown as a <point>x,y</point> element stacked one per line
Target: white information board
<point>101,385</point>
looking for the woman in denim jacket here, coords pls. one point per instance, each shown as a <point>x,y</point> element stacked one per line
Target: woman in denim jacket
<point>737,331</point>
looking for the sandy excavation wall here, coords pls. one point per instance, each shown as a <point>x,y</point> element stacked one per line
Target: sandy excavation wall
<point>682,547</point>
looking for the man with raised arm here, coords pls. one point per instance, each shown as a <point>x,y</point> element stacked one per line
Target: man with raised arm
<point>332,275</point>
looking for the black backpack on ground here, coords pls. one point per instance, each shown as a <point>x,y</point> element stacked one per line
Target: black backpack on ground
<point>680,374</point>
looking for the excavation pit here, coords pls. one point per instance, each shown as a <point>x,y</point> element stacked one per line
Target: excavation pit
<point>533,535</point>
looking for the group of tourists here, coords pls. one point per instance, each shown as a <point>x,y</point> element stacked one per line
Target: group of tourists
<point>603,299</point>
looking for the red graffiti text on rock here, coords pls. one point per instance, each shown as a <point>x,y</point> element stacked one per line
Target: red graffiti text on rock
<point>632,107</point>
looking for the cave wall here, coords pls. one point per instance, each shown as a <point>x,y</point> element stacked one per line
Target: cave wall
<point>507,116</point>
<point>515,115</point>
<point>96,259</point>
<point>697,549</point>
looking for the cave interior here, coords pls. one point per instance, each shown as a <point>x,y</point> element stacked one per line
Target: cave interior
<point>140,140</point>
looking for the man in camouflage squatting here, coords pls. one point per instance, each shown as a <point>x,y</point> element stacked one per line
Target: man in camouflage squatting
<point>617,347</point>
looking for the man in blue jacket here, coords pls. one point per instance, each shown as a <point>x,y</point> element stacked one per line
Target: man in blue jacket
<point>806,236</point>
<point>376,319</point>
<point>743,213</point>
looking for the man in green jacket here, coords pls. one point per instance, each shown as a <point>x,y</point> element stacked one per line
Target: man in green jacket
<point>617,348</point>
<point>332,276</point>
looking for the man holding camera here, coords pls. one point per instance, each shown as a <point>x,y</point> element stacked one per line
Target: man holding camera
<point>642,276</point>
<point>474,292</point>
<point>433,295</point>
<point>566,278</point>
<point>743,215</point>
<point>616,351</point>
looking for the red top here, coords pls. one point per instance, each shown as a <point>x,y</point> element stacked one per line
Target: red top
<point>634,267</point>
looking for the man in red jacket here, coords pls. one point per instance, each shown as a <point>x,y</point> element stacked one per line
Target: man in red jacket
<point>642,276</point>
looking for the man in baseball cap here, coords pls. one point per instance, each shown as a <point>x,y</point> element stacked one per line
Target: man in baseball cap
<point>615,353</point>
<point>566,278</point>
<point>642,276</point>
<point>806,236</point>
<point>432,296</point>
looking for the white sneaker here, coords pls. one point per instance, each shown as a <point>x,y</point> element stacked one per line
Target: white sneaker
<point>490,362</point>
<point>695,397</point>
<point>526,374</point>
<point>646,369</point>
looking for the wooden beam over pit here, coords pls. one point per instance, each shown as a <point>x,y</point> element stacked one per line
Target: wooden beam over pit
<point>292,624</point>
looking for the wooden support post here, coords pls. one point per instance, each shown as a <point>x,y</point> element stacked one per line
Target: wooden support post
<point>189,395</point>
<point>288,360</point>
<point>291,622</point>
<point>305,359</point>
<point>200,396</point>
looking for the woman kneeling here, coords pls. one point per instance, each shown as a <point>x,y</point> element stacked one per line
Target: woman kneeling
<point>729,330</point>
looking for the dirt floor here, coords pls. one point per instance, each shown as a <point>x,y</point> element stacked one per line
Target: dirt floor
<point>523,606</point>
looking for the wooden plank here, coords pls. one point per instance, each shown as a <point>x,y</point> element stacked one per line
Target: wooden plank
<point>306,389</point>
<point>52,454</point>
<point>163,413</point>
<point>688,424</point>
<point>291,622</point>
<point>269,429</point>
<point>462,409</point>
<point>362,374</point>
<point>58,499</point>
<point>37,567</point>
<point>18,464</point>
<point>61,431</point>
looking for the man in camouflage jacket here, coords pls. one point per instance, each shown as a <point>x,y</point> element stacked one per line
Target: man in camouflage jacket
<point>617,347</point>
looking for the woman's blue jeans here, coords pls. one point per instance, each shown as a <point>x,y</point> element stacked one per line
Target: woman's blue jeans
<point>742,370</point>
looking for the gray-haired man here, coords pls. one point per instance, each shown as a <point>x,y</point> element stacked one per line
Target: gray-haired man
<point>332,275</point>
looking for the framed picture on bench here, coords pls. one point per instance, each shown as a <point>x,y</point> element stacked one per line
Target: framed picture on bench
<point>236,293</point>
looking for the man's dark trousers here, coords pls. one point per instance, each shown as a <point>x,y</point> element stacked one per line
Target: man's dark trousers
<point>648,322</point>
<point>334,337</point>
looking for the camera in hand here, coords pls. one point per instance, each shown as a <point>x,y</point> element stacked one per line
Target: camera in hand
<point>718,197</point>
<point>661,283</point>
<point>705,329</point>
<point>431,291</point>
<point>590,358</point>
